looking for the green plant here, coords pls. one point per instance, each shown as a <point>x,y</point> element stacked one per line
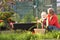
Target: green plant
<point>6,6</point>
<point>5,15</point>
<point>27,35</point>
<point>28,18</point>
<point>16,17</point>
<point>2,24</point>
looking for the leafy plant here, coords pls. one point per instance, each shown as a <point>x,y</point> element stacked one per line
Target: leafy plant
<point>2,24</point>
<point>5,15</point>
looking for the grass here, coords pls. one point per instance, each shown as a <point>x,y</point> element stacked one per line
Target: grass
<point>29,36</point>
<point>59,18</point>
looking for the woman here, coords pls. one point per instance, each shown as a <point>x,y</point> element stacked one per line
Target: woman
<point>52,20</point>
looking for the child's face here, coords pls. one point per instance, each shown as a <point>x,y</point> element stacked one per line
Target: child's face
<point>43,16</point>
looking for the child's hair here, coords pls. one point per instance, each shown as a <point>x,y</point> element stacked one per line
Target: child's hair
<point>43,15</point>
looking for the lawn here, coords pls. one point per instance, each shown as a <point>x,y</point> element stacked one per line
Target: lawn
<point>59,18</point>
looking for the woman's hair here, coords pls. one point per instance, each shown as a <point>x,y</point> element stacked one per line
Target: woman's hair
<point>48,10</point>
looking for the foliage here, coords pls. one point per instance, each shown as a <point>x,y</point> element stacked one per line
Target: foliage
<point>2,24</point>
<point>29,36</point>
<point>16,17</point>
<point>5,15</point>
<point>6,6</point>
<point>28,18</point>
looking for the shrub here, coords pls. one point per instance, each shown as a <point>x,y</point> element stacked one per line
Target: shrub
<point>28,18</point>
<point>5,15</point>
<point>2,24</point>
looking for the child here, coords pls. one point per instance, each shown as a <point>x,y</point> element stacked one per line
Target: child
<point>43,19</point>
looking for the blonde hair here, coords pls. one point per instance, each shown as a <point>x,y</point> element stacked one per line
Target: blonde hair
<point>43,15</point>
